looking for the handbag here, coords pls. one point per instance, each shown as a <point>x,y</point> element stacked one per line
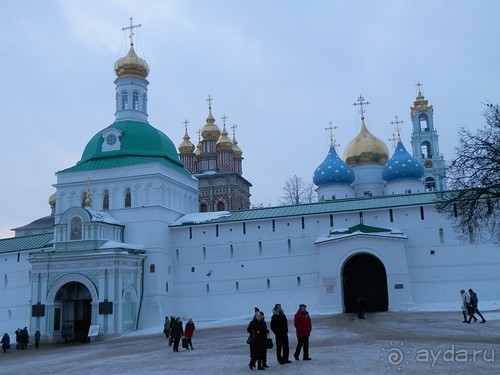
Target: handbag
<point>269,343</point>
<point>250,340</point>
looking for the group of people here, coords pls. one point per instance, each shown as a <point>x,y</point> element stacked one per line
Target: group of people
<point>469,306</point>
<point>174,332</point>
<point>259,341</point>
<point>22,339</point>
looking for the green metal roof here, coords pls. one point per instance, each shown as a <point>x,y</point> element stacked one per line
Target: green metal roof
<point>334,206</point>
<point>37,241</point>
<point>139,143</point>
<point>360,228</point>
<point>122,161</point>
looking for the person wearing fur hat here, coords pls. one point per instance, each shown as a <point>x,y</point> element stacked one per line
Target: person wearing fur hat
<point>303,328</point>
<point>279,326</point>
<point>258,332</point>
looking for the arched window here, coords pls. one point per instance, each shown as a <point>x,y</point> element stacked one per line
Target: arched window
<point>76,228</point>
<point>124,100</point>
<point>425,147</point>
<point>128,198</point>
<point>105,200</point>
<point>203,207</point>
<point>144,103</point>
<point>424,122</point>
<point>135,100</point>
<point>220,206</point>
<point>430,184</point>
<point>152,268</point>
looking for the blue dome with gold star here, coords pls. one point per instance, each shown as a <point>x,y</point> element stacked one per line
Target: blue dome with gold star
<point>402,166</point>
<point>333,171</point>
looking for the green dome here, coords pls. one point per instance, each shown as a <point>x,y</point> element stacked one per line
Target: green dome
<point>139,143</point>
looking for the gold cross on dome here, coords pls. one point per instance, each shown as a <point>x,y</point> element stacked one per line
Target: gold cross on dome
<point>131,28</point>
<point>397,124</point>
<point>361,102</point>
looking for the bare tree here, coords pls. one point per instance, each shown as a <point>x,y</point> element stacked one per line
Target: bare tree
<point>297,191</point>
<point>474,199</point>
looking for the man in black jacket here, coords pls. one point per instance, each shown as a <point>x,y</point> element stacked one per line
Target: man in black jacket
<point>279,326</point>
<point>473,307</point>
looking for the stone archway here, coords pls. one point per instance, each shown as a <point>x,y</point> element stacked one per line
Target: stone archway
<point>364,277</point>
<point>75,302</point>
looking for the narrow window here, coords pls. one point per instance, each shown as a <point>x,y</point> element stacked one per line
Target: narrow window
<point>192,269</point>
<point>128,198</point>
<point>260,248</point>
<point>217,230</point>
<point>204,253</point>
<point>190,233</point>
<point>135,100</point>
<point>144,103</point>
<point>331,221</point>
<point>455,210</point>
<point>361,218</point>
<point>299,282</point>
<point>152,268</point>
<point>289,244</point>
<point>105,200</point>
<point>208,289</point>
<point>237,286</point>
<point>166,287</point>
<point>268,282</point>
<point>124,100</point>
<point>244,228</point>
<point>421,213</point>
<point>274,225</point>
<point>18,257</point>
<point>391,216</point>
<point>5,280</point>
<point>177,254</point>
<point>303,223</point>
<point>231,251</point>
<point>441,235</point>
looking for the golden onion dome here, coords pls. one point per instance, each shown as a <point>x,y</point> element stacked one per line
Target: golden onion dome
<point>131,65</point>
<point>366,149</point>
<point>236,149</point>
<point>210,132</point>
<point>197,152</point>
<point>52,200</point>
<point>224,142</point>
<point>186,147</point>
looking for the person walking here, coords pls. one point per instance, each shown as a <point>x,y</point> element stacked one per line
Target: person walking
<point>257,331</point>
<point>189,331</point>
<point>303,328</point>
<point>37,339</point>
<point>466,307</point>
<point>279,326</point>
<point>264,354</point>
<point>473,307</point>
<point>177,332</point>
<point>5,342</point>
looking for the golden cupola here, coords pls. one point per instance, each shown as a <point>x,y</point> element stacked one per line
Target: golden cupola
<point>186,147</point>
<point>131,65</point>
<point>224,142</point>
<point>210,132</point>
<point>366,149</point>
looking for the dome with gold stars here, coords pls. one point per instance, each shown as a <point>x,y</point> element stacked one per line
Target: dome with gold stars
<point>366,149</point>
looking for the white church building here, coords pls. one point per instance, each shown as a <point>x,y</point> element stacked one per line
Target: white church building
<point>126,243</point>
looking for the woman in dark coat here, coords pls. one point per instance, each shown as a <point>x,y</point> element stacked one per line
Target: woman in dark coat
<point>5,342</point>
<point>258,331</point>
<point>177,332</point>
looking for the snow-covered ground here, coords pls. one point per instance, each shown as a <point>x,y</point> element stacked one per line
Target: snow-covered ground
<point>407,342</point>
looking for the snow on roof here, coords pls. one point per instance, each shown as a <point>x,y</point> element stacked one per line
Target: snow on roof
<point>200,217</point>
<point>120,245</point>
<point>103,217</point>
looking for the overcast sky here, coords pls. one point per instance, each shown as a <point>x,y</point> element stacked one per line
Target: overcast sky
<point>280,70</point>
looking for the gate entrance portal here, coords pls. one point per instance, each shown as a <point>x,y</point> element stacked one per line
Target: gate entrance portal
<point>364,283</point>
<point>74,300</point>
